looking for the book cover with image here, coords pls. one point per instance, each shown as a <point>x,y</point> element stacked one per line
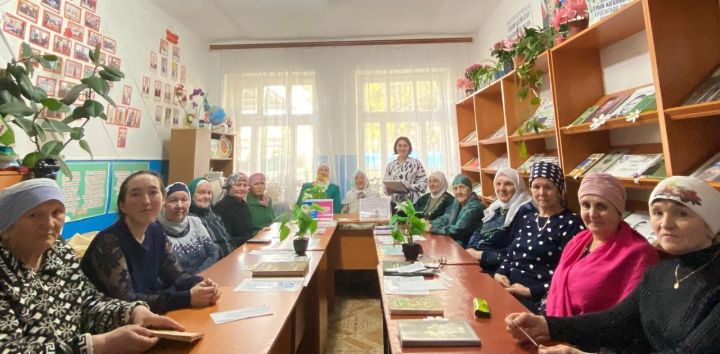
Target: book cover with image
<point>630,166</point>
<point>632,101</point>
<point>436,333</point>
<point>608,160</point>
<point>501,162</point>
<point>584,166</point>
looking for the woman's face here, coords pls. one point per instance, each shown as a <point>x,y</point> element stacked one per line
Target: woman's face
<point>600,217</point>
<point>177,206</point>
<point>461,192</point>
<point>504,188</point>
<point>37,230</point>
<point>143,199</point>
<point>434,184</point>
<point>239,190</point>
<point>402,148</point>
<point>258,189</point>
<point>544,193</point>
<point>323,173</point>
<point>360,181</point>
<point>679,229</point>
<point>203,195</point>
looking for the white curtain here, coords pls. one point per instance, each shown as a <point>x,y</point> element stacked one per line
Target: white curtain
<point>295,108</point>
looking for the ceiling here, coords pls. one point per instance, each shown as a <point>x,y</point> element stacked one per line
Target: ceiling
<point>248,21</point>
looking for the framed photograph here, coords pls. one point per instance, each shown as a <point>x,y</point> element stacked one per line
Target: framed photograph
<point>28,10</point>
<point>64,88</point>
<point>103,58</point>
<point>52,4</point>
<point>88,70</point>
<point>81,52</point>
<point>94,39</point>
<point>167,94</point>
<point>168,117</point>
<point>158,114</point>
<point>176,117</point>
<point>39,37</point>
<point>174,70</point>
<point>153,61</point>
<point>62,45</point>
<point>46,84</point>
<point>89,4</point>
<point>72,12</point>
<point>52,21</point>
<point>163,47</point>
<point>73,69</point>
<point>74,31</point>
<point>146,86</point>
<point>163,67</point>
<point>14,26</point>
<point>130,121</point>
<point>183,74</point>
<point>92,21</point>
<point>109,44</point>
<point>121,115</point>
<point>122,136</point>
<point>127,95</point>
<point>114,62</point>
<point>176,52</point>
<point>111,114</point>
<point>55,66</point>
<point>81,99</point>
<point>21,55</point>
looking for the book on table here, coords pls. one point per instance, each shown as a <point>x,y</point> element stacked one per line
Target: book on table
<point>584,166</point>
<point>415,305</point>
<point>281,269</point>
<point>436,333</point>
<point>187,337</point>
<point>631,166</point>
<point>710,170</point>
<point>632,101</point>
<point>608,160</point>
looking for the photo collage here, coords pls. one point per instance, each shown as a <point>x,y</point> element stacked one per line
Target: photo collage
<point>165,74</point>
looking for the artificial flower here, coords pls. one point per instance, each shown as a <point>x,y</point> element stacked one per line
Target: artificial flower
<point>632,116</point>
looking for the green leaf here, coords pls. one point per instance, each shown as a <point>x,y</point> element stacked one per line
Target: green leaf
<point>50,57</point>
<point>113,71</point>
<point>94,108</point>
<point>523,150</point>
<point>284,231</point>
<point>63,167</point>
<point>80,112</point>
<point>77,133</point>
<point>26,50</point>
<point>523,92</point>
<point>25,124</point>
<point>74,93</point>
<point>31,159</point>
<point>108,76</point>
<point>8,137</point>
<point>535,101</point>
<point>26,87</point>
<point>39,131</point>
<point>97,84</point>
<point>95,55</point>
<point>57,126</point>
<point>52,104</point>
<point>52,148</point>
<point>16,108</point>
<point>45,64</point>
<point>85,146</point>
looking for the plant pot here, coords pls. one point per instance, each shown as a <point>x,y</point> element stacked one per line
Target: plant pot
<point>8,178</point>
<point>300,245</point>
<point>518,60</point>
<point>411,251</point>
<point>46,168</point>
<point>576,26</point>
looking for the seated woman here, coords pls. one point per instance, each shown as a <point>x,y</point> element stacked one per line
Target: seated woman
<point>202,195</point>
<point>133,259</point>
<point>490,242</point>
<point>332,191</point>
<point>191,243</point>
<point>435,203</point>
<point>260,205</point>
<point>675,308</point>
<point>46,303</point>
<point>539,238</point>
<point>463,217</point>
<point>234,210</point>
<point>608,257</point>
<point>360,190</point>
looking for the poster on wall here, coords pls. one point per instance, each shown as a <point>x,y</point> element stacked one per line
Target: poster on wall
<point>86,194</point>
<point>518,21</point>
<point>121,171</point>
<point>122,137</point>
<point>597,9</point>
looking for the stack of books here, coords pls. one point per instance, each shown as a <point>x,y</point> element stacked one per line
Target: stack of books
<point>621,164</point>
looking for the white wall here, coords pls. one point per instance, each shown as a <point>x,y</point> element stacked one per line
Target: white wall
<point>137,26</point>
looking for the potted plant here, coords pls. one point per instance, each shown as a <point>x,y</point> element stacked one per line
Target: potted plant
<point>301,217</point>
<point>466,85</point>
<point>27,107</point>
<point>570,18</point>
<point>503,51</point>
<point>406,224</point>
<point>480,74</point>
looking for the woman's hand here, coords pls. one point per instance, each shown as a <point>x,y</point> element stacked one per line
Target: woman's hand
<point>125,339</point>
<point>205,293</point>
<point>503,280</point>
<point>535,327</point>
<point>142,316</point>
<point>519,290</point>
<point>559,349</point>
<point>474,253</point>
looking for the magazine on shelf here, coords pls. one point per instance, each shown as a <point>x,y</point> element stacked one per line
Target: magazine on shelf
<point>707,90</point>
<point>470,138</point>
<point>474,163</point>
<point>584,116</point>
<point>525,167</point>
<point>550,158</point>
<point>640,222</point>
<point>436,333</point>
<point>658,171</point>
<point>498,133</point>
<point>608,106</point>
<point>501,162</point>
<point>477,188</point>
<point>631,166</point>
<point>584,166</point>
<point>608,160</point>
<point>545,114</point>
<point>632,101</point>
<point>646,104</point>
<point>710,170</point>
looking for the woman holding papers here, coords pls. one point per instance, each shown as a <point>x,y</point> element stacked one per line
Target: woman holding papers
<point>675,308</point>
<point>133,260</point>
<point>433,204</point>
<point>464,216</point>
<point>322,186</point>
<point>234,210</point>
<point>360,190</point>
<point>407,170</point>
<point>47,305</point>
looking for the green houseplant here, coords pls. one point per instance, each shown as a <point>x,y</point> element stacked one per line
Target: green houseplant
<point>26,107</point>
<point>302,218</point>
<point>406,223</point>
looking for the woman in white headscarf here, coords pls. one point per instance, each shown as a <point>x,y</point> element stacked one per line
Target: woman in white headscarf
<point>360,190</point>
<point>433,204</point>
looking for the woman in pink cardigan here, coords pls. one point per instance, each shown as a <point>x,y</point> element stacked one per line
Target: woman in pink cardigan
<point>602,264</point>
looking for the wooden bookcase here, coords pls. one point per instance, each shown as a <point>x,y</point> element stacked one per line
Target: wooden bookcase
<point>190,155</point>
<point>682,39</point>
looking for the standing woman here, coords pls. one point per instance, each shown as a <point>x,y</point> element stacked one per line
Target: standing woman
<point>261,208</point>
<point>408,170</point>
<point>433,204</point>
<point>201,193</point>
<point>234,210</point>
<point>332,191</point>
<point>191,242</point>
<point>464,216</point>
<point>133,260</point>
<point>539,238</point>
<point>360,190</point>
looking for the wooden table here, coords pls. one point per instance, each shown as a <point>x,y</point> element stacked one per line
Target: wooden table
<point>436,247</point>
<point>355,242</point>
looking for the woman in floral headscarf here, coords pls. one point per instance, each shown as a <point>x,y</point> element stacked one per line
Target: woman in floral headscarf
<point>330,190</point>
<point>234,210</point>
<point>261,209</point>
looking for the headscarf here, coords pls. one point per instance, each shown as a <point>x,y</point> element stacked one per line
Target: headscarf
<point>176,187</point>
<point>317,178</point>
<point>17,199</point>
<point>192,187</point>
<point>257,178</point>
<point>550,171</point>
<point>694,194</point>
<point>520,198</point>
<point>237,177</point>
<point>604,185</point>
<point>443,184</point>
<point>462,179</point>
<point>175,227</point>
<point>356,193</point>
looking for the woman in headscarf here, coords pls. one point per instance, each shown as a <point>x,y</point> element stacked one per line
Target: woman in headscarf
<point>433,204</point>
<point>200,206</point>
<point>360,190</point>
<point>490,242</point>
<point>408,170</point>
<point>261,208</point>
<point>464,216</point>
<point>47,305</point>
<point>675,308</point>
<point>234,210</point>
<point>322,181</point>
<point>191,242</point>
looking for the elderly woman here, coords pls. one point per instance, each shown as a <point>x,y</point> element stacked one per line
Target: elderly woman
<point>360,190</point>
<point>675,308</point>
<point>539,238</point>
<point>408,170</point>
<point>490,242</point>
<point>191,243</point>
<point>200,205</point>
<point>435,203</point>
<point>46,303</point>
<point>609,256</point>
<point>261,208</point>
<point>464,216</point>
<point>234,210</point>
<point>133,259</point>
<point>322,180</point>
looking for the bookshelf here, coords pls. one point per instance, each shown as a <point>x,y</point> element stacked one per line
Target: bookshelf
<point>190,154</point>
<point>681,39</point>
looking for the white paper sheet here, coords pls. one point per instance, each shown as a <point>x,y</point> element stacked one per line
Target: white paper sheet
<point>241,314</point>
<point>270,284</point>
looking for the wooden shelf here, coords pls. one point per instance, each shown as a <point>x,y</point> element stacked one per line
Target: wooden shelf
<point>650,117</point>
<point>611,29</point>
<point>214,132</point>
<point>715,185</point>
<point>488,200</point>
<point>642,183</point>
<point>531,136</point>
<point>470,169</point>
<point>701,110</point>
<point>493,141</point>
<point>472,144</point>
<point>492,88</point>
<point>490,171</point>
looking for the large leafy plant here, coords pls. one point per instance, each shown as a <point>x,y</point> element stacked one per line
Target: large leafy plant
<point>406,223</point>
<point>26,106</point>
<point>301,216</point>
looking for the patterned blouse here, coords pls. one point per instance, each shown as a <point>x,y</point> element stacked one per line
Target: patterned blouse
<point>412,173</point>
<point>56,309</point>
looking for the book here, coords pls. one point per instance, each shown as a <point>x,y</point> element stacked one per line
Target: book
<point>710,170</point>
<point>584,166</point>
<point>545,114</point>
<point>477,188</point>
<point>259,240</point>
<point>584,116</point>
<point>631,166</point>
<point>646,104</point>
<point>281,269</point>
<point>500,162</point>
<point>525,167</point>
<point>608,160</point>
<point>473,163</point>
<point>470,138</point>
<point>395,186</point>
<point>498,133</point>
<point>658,171</point>
<point>436,333</point>
<point>608,106</point>
<point>187,337</point>
<point>706,90</point>
<point>640,222</point>
<point>395,268</point>
<point>632,101</point>
<point>415,305</point>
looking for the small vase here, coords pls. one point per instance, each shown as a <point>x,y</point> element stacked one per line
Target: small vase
<point>411,251</point>
<point>300,245</point>
<point>576,26</point>
<point>46,168</point>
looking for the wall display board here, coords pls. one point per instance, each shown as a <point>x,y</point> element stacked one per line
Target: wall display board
<point>86,193</point>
